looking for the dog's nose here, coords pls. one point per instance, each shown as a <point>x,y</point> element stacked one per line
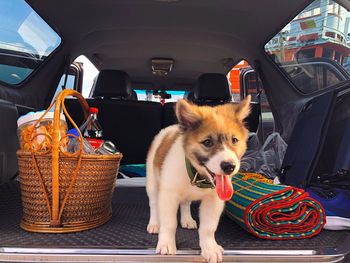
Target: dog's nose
<point>227,167</point>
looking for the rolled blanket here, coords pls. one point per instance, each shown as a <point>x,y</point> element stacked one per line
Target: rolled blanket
<point>276,212</point>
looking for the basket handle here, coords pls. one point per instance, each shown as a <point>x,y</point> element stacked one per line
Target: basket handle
<point>56,209</point>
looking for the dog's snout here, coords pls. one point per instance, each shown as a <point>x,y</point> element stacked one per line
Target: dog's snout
<point>227,167</point>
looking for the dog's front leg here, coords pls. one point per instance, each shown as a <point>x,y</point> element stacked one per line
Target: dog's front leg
<point>209,216</point>
<point>186,218</point>
<point>168,204</point>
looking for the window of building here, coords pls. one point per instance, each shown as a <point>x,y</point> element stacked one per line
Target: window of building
<point>330,34</point>
<point>327,53</point>
<point>305,53</point>
<point>311,12</point>
<point>337,56</point>
<point>332,7</point>
<point>317,11</point>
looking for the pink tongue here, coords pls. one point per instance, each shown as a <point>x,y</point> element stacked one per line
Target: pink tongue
<point>224,187</point>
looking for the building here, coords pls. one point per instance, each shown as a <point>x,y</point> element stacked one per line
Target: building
<point>321,30</point>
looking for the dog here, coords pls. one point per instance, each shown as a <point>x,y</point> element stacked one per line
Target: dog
<point>211,141</point>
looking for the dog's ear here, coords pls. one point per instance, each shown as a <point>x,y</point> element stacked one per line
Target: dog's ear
<point>187,115</point>
<point>243,108</point>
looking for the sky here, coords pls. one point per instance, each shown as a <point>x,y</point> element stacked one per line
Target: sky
<point>90,72</point>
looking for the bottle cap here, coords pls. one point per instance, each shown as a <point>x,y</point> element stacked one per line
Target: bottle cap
<point>73,132</point>
<point>93,110</point>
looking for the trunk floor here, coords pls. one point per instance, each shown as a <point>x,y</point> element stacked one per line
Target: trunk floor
<point>127,229</point>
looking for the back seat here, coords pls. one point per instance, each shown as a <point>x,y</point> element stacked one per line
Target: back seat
<point>113,84</point>
<point>132,124</point>
<point>168,114</point>
<point>205,94</point>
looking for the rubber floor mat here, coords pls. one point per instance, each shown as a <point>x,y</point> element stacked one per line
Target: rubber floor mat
<point>127,229</point>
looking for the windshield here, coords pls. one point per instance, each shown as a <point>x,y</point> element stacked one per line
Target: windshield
<point>25,41</point>
<point>314,48</point>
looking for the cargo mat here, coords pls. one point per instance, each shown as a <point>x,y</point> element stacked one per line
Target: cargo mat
<point>127,229</point>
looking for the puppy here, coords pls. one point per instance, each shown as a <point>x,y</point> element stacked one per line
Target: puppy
<point>210,139</point>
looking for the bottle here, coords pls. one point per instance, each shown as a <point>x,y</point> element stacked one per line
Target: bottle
<point>107,147</point>
<point>91,129</point>
<point>74,145</point>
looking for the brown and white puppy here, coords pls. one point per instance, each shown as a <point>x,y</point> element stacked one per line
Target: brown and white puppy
<point>213,139</point>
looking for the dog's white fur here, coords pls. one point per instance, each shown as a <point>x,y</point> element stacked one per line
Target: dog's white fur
<point>173,188</point>
<point>170,187</point>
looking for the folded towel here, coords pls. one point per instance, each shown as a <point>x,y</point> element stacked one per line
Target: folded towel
<point>133,170</point>
<point>276,212</point>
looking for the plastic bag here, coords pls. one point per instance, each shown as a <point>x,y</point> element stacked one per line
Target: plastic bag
<point>266,159</point>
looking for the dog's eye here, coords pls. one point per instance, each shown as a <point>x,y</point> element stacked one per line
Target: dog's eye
<point>208,143</point>
<point>234,140</point>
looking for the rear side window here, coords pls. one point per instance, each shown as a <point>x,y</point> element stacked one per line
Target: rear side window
<point>314,48</point>
<point>160,95</point>
<point>25,41</point>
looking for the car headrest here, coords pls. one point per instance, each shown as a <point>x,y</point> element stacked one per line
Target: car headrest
<point>189,96</point>
<point>112,84</point>
<point>212,86</point>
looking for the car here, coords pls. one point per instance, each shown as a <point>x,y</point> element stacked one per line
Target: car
<point>149,54</point>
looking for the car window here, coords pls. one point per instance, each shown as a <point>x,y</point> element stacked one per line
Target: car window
<point>314,48</point>
<point>90,73</point>
<point>234,78</point>
<point>25,41</point>
<point>242,80</point>
<point>160,95</point>
<point>70,84</point>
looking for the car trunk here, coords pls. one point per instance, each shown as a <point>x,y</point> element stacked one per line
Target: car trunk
<point>110,33</point>
<point>124,237</point>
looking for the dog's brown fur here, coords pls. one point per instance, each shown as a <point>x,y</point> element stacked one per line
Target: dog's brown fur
<point>222,123</point>
<point>163,149</point>
<point>168,183</point>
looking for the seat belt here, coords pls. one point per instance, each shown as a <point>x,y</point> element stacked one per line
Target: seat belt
<point>259,91</point>
<point>66,71</point>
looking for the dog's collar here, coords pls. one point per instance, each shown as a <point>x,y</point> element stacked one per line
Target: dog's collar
<point>194,176</point>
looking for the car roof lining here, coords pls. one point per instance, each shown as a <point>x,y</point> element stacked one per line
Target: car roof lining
<point>201,36</point>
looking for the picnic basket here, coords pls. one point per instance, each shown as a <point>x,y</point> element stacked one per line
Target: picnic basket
<point>65,192</point>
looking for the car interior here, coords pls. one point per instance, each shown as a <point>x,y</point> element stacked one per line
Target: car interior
<point>160,45</point>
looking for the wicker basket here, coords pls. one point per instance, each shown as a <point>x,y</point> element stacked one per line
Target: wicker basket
<point>66,192</point>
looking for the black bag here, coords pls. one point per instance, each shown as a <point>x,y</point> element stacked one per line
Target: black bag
<point>319,147</point>
<point>9,143</point>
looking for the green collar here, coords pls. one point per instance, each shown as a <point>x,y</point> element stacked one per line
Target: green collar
<point>195,179</point>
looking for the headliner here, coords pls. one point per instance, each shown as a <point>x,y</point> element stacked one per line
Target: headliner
<point>200,35</point>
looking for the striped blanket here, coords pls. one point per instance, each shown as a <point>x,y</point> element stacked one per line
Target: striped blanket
<point>276,212</point>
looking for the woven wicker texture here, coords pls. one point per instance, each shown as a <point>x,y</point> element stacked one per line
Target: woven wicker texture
<point>89,202</point>
<point>127,229</point>
<point>65,192</point>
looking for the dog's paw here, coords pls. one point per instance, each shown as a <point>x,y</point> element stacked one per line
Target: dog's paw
<point>212,253</point>
<point>189,223</point>
<point>166,248</point>
<point>153,228</point>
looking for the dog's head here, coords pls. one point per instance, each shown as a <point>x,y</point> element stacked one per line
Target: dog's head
<point>215,139</point>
